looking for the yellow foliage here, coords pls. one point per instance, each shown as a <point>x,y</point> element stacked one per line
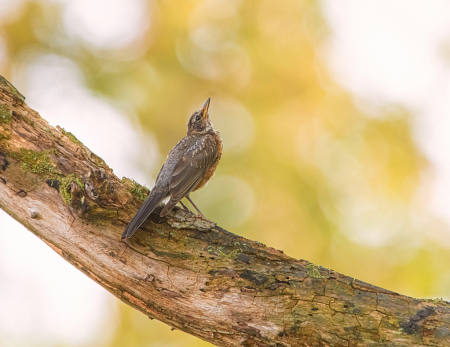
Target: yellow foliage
<point>306,171</point>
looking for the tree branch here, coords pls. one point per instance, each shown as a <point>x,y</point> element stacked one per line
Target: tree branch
<point>186,271</point>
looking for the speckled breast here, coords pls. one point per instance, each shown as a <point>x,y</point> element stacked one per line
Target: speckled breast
<point>209,174</point>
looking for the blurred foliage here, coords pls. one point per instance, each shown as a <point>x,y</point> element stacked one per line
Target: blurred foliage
<point>304,169</point>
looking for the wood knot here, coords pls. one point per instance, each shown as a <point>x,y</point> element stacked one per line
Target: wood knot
<point>245,328</point>
<point>35,215</point>
<point>74,195</point>
<point>170,294</point>
<point>3,162</point>
<point>98,186</point>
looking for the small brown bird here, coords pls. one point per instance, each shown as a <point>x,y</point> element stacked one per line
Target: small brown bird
<point>189,166</point>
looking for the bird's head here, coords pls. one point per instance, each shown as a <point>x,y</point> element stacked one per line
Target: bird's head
<point>199,123</point>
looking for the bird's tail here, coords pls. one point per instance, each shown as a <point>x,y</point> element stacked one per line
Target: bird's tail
<point>142,214</point>
<point>169,206</point>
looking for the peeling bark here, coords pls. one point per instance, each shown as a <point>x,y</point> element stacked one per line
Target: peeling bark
<point>185,271</point>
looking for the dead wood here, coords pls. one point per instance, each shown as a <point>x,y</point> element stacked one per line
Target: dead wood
<point>185,271</point>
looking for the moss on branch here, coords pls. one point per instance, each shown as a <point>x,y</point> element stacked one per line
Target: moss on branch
<point>5,115</point>
<point>138,190</point>
<point>39,163</point>
<point>71,136</point>
<point>65,187</point>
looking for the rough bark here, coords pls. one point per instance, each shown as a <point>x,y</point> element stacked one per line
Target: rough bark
<point>186,271</point>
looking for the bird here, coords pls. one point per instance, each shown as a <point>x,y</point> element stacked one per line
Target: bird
<point>189,166</point>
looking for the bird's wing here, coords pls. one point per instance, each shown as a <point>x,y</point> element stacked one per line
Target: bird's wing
<point>189,170</point>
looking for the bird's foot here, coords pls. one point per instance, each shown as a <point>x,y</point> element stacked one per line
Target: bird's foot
<point>202,217</point>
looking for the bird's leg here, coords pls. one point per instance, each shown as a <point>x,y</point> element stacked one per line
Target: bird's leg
<point>184,206</point>
<point>199,212</point>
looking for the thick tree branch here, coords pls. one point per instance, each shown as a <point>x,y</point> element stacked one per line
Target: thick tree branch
<point>185,271</point>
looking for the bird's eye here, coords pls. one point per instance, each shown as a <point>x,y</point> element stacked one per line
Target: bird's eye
<point>198,118</point>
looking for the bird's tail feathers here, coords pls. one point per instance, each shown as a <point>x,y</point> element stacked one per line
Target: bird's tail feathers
<point>169,206</point>
<point>143,213</point>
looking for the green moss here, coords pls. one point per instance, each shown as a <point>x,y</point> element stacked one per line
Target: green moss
<point>41,164</point>
<point>37,162</point>
<point>27,120</point>
<point>5,115</point>
<point>71,136</point>
<point>7,137</point>
<point>139,191</point>
<point>231,255</point>
<point>437,302</point>
<point>12,89</point>
<point>64,186</point>
<point>313,270</point>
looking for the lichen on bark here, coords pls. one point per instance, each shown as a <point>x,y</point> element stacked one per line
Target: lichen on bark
<point>5,115</point>
<point>65,186</point>
<point>7,86</point>
<point>185,270</point>
<point>71,136</point>
<point>38,162</point>
<point>138,190</point>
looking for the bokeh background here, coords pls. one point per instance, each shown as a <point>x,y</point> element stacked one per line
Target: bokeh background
<point>335,117</point>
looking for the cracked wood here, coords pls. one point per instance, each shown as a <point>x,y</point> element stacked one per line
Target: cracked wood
<point>185,271</point>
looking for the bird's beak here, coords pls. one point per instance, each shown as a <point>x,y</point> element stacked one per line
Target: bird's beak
<point>205,108</point>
